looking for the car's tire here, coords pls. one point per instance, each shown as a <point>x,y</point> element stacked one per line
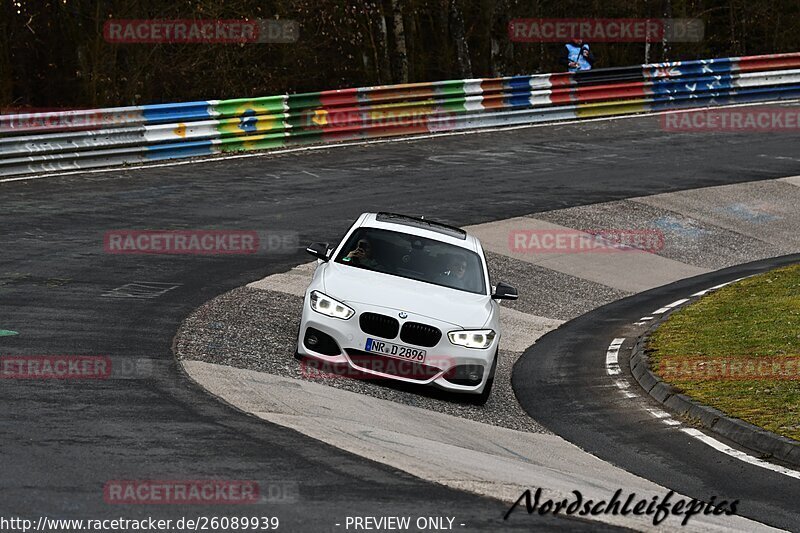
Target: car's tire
<point>483,397</point>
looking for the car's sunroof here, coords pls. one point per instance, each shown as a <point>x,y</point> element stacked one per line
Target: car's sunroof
<point>438,227</point>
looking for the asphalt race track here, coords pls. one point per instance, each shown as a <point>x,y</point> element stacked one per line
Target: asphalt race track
<point>62,441</point>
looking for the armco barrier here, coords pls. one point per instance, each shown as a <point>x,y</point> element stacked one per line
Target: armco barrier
<point>45,142</point>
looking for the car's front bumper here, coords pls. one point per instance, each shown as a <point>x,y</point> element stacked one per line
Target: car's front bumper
<point>440,362</point>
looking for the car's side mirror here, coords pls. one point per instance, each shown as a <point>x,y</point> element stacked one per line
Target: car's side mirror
<point>504,291</point>
<point>319,250</point>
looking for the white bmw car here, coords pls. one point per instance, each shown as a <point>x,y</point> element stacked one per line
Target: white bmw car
<point>408,299</point>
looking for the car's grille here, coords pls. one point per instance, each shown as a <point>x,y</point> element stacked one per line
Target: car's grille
<point>379,325</point>
<point>420,334</point>
<point>392,366</point>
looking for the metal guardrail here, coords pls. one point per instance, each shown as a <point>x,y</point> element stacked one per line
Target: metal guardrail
<point>69,140</point>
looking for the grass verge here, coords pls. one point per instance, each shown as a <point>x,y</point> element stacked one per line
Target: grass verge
<point>738,350</point>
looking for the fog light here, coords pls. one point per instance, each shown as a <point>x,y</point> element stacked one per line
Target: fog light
<point>469,375</point>
<point>320,342</point>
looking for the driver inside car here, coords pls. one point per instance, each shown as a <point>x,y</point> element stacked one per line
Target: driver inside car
<point>361,255</point>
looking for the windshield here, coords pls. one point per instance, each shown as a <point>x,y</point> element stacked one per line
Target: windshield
<point>413,257</point>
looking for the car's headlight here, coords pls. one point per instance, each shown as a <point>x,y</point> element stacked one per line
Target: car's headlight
<point>326,305</point>
<point>472,338</point>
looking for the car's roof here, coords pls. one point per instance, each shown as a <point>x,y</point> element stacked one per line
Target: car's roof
<point>422,228</point>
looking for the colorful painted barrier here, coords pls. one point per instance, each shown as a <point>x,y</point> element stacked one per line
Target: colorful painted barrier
<point>78,139</point>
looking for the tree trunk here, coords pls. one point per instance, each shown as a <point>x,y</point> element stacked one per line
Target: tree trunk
<point>412,45</point>
<point>377,48</point>
<point>664,40</point>
<point>459,35</point>
<point>400,52</point>
<point>500,42</point>
<point>386,69</point>
<point>6,71</point>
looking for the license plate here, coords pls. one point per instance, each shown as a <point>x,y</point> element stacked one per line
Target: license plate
<point>395,350</point>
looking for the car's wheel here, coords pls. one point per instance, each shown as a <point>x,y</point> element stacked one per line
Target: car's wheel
<point>483,397</point>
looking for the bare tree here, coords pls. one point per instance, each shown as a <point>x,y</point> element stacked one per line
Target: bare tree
<point>53,53</point>
<point>6,65</point>
<point>385,63</point>
<point>665,37</point>
<point>456,16</point>
<point>400,51</point>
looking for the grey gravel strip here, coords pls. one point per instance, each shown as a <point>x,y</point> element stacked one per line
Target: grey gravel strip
<point>257,330</point>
